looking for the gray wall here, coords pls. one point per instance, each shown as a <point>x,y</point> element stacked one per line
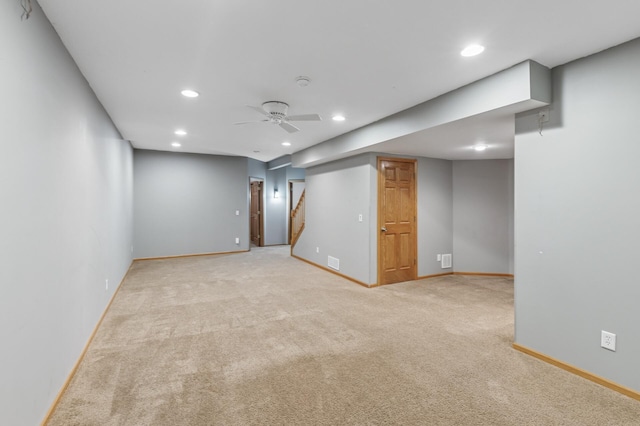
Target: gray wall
<point>577,218</point>
<point>482,216</point>
<point>66,216</point>
<point>464,208</point>
<point>257,169</point>
<point>186,203</point>
<point>294,173</point>
<point>275,220</point>
<point>435,214</point>
<point>336,193</point>
<point>511,207</point>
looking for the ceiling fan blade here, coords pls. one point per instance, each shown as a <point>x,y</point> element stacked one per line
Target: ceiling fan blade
<point>259,109</point>
<point>288,127</point>
<point>304,117</point>
<point>249,122</point>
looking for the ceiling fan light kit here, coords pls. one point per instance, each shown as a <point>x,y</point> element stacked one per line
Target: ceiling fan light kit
<point>276,113</point>
<point>276,108</point>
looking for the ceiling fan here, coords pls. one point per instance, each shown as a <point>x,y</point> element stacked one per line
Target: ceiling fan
<point>276,113</point>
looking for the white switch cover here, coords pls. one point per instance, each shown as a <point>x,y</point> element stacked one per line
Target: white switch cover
<point>317,249</point>
<point>237,240</point>
<point>360,217</point>
<point>237,212</point>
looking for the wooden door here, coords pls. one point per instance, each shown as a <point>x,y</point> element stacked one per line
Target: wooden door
<point>256,213</point>
<point>397,228</point>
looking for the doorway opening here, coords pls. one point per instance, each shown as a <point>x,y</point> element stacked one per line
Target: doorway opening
<point>256,212</point>
<point>296,194</point>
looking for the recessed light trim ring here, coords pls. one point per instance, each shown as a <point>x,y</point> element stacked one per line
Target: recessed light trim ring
<point>188,93</point>
<point>472,50</point>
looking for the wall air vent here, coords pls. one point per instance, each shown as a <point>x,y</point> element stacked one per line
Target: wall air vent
<point>334,263</point>
<point>446,261</point>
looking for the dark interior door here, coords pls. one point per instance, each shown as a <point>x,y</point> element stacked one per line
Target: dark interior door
<point>256,213</point>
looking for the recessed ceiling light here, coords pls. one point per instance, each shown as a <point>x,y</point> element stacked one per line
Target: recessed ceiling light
<point>286,143</point>
<point>176,144</point>
<point>338,117</point>
<point>472,50</point>
<point>180,132</point>
<point>190,93</point>
<point>480,147</point>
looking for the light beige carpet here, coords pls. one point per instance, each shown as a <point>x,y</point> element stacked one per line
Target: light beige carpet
<point>260,338</point>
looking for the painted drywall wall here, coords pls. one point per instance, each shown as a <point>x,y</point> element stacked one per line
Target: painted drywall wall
<point>257,169</point>
<point>435,214</point>
<point>294,173</point>
<point>481,212</point>
<point>186,203</point>
<point>332,224</point>
<point>66,216</point>
<point>577,210</point>
<point>275,225</point>
<point>336,193</point>
<point>511,210</point>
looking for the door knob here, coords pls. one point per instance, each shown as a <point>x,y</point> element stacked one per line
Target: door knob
<point>383,229</point>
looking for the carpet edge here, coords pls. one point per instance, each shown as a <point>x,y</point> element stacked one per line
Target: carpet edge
<point>579,372</point>
<point>73,371</point>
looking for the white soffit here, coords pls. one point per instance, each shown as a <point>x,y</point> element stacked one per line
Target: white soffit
<point>504,94</point>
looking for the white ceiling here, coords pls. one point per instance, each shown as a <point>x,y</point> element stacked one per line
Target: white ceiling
<point>366,60</point>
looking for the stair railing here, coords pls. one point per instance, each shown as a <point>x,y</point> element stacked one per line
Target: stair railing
<point>297,220</point>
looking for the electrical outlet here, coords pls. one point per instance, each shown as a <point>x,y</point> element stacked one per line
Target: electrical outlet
<point>106,285</point>
<point>608,340</point>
